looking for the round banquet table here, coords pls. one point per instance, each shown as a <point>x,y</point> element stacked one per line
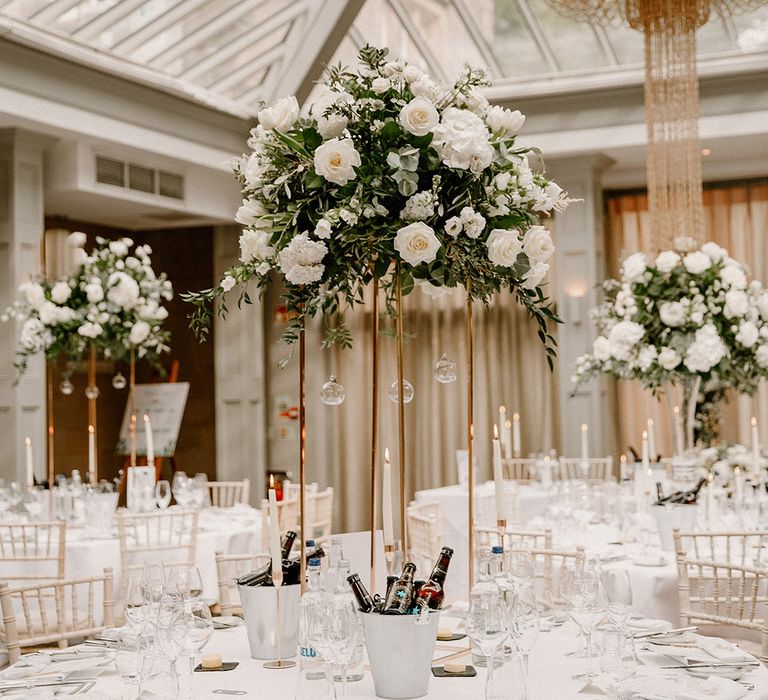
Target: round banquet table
<point>227,530</point>
<point>654,587</point>
<point>550,670</point>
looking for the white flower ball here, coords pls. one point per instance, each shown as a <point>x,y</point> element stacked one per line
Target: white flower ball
<point>669,358</point>
<point>672,313</point>
<point>697,262</point>
<point>281,116</point>
<point>634,267</point>
<point>60,292</point>
<point>336,159</point>
<point>601,349</point>
<point>733,276</point>
<point>736,303</point>
<point>419,117</point>
<point>667,260</point>
<point>417,243</point>
<point>747,334</point>
<point>504,246</point>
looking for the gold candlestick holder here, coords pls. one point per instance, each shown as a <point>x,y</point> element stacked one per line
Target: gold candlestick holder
<point>280,662</point>
<point>501,526</point>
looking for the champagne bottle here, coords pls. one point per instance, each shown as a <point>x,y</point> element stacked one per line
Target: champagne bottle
<point>659,492</point>
<point>432,592</point>
<point>292,567</point>
<point>686,497</point>
<point>287,544</point>
<point>400,595</point>
<point>363,597</point>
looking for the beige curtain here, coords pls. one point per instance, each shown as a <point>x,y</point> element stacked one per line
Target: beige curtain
<point>735,218</point>
<point>510,368</point>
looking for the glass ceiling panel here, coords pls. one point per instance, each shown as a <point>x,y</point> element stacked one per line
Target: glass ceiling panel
<point>238,50</point>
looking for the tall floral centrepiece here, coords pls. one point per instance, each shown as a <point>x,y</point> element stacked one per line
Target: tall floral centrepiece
<point>389,173</point>
<point>690,316</point>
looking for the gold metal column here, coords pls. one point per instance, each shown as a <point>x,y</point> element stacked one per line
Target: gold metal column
<point>302,454</point>
<point>374,425</point>
<point>92,398</point>
<point>470,440</point>
<point>401,413</point>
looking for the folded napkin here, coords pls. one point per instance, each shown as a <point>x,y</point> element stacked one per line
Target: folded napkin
<point>721,649</point>
<point>682,688</point>
<point>647,625</point>
<point>27,667</point>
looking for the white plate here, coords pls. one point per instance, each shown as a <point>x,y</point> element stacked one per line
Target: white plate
<point>226,621</point>
<point>650,560</point>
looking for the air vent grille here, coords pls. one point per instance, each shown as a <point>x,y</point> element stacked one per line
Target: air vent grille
<point>139,178</point>
<point>110,171</point>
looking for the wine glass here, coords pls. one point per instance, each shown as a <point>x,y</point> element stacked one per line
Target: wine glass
<point>171,631</point>
<point>180,488</point>
<point>524,624</point>
<point>580,592</point>
<point>487,627</point>
<point>343,632</point>
<point>199,490</point>
<point>184,581</point>
<point>163,494</point>
<point>134,604</point>
<point>617,659</point>
<point>199,623</point>
<point>618,595</point>
<point>520,567</point>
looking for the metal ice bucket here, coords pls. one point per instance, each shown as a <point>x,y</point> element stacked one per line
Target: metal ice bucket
<point>674,516</point>
<point>400,653</point>
<point>260,612</point>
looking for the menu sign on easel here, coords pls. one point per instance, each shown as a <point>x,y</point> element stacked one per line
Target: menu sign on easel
<point>164,404</point>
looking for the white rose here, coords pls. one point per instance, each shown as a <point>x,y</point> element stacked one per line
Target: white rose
<point>412,74</point>
<point>380,85</point>
<point>227,283</point>
<point>417,243</point>
<point>733,275</point>
<point>669,358</point>
<point>714,251</point>
<point>123,290</point>
<point>336,159</point>
<point>537,244</point>
<point>535,275</point>
<point>634,267</point>
<point>90,330</point>
<point>32,293</point>
<point>453,226</point>
<point>330,124</point>
<point>623,337</point>
<point>601,348</point>
<point>250,213</point>
<point>672,313</point>
<point>761,356</point>
<point>139,332</point>
<point>280,116</point>
<point>323,229</point>
<point>667,260</point>
<point>301,260</point>
<point>474,226</point>
<point>747,334</point>
<point>418,117</point>
<point>736,303</point>
<point>502,119</point>
<point>94,292</point>
<point>504,246</point>
<point>697,262</point>
<point>76,239</point>
<point>254,245</point>
<point>706,351</point>
<point>60,292</point>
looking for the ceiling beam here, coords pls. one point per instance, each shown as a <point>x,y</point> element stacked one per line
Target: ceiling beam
<point>51,11</point>
<point>419,42</point>
<point>292,42</point>
<point>538,36</point>
<point>609,52</point>
<point>263,60</point>
<point>477,37</point>
<point>90,30</point>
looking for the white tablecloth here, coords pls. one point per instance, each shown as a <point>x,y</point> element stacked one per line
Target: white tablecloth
<point>550,669</point>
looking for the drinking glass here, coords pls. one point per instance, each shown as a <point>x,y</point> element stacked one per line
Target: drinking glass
<point>134,604</point>
<point>157,675</point>
<point>163,494</point>
<point>128,655</point>
<point>171,631</point>
<point>520,567</point>
<point>524,624</point>
<point>617,659</point>
<point>580,592</point>
<point>343,632</point>
<point>318,638</point>
<point>180,488</point>
<point>618,595</point>
<point>199,490</point>
<point>184,581</point>
<point>487,628</point>
<point>199,624</point>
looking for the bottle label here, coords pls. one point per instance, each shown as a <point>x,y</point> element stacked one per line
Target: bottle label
<point>308,652</point>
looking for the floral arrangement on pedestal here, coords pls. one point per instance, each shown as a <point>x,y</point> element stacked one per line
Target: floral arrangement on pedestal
<point>113,302</point>
<point>389,174</point>
<point>688,315</point>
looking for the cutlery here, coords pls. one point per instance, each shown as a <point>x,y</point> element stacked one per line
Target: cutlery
<point>646,635</point>
<point>718,664</point>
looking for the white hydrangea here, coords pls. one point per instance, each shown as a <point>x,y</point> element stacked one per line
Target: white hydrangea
<point>623,337</point>
<point>736,303</point>
<point>301,260</point>
<point>667,260</point>
<point>673,313</point>
<point>733,276</point>
<point>90,330</point>
<point>94,291</point>
<point>761,356</point>
<point>32,293</point>
<point>419,207</point>
<point>123,290</point>
<point>697,262</point>
<point>601,348</point>
<point>461,139</point>
<point>646,357</point>
<point>747,334</point>
<point>34,336</point>
<point>714,251</point>
<point>706,351</point>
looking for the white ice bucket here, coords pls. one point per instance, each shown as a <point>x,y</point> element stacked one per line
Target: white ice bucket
<point>674,516</point>
<point>400,653</point>
<point>260,613</point>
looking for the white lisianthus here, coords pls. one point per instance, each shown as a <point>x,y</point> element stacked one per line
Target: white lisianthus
<point>669,358</point>
<point>706,351</point>
<point>329,123</point>
<point>301,260</point>
<point>123,290</point>
<point>672,313</point>
<point>281,116</point>
<point>76,239</point>
<point>250,212</point>
<point>139,332</point>
<point>761,356</point>
<point>634,267</point>
<point>623,337</point>
<point>601,348</point>
<point>32,293</point>
<point>227,283</point>
<point>417,243</point>
<point>380,85</point>
<point>667,260</point>
<point>323,229</point>
<point>254,245</point>
<point>502,180</point>
<point>535,275</point>
<point>94,291</point>
<point>733,276</point>
<point>504,246</point>
<point>453,226</point>
<point>461,140</point>
<point>697,262</point>
<point>714,251</point>
<point>90,330</point>
<point>336,159</point>
<point>736,303</point>
<point>472,221</point>
<point>537,244</point>
<point>502,119</point>
<point>419,117</point>
<point>747,334</point>
<point>60,292</point>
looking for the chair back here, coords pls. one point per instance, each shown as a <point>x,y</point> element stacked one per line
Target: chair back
<point>169,537</point>
<point>746,548</point>
<point>549,563</point>
<point>599,468</point>
<point>232,566</point>
<point>225,494</point>
<point>485,506</point>
<point>425,536</point>
<point>319,516</point>
<point>53,612</point>
<point>518,469</point>
<point>32,552</point>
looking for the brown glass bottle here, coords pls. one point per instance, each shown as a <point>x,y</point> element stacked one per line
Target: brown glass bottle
<point>401,593</point>
<point>363,597</point>
<point>432,592</point>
